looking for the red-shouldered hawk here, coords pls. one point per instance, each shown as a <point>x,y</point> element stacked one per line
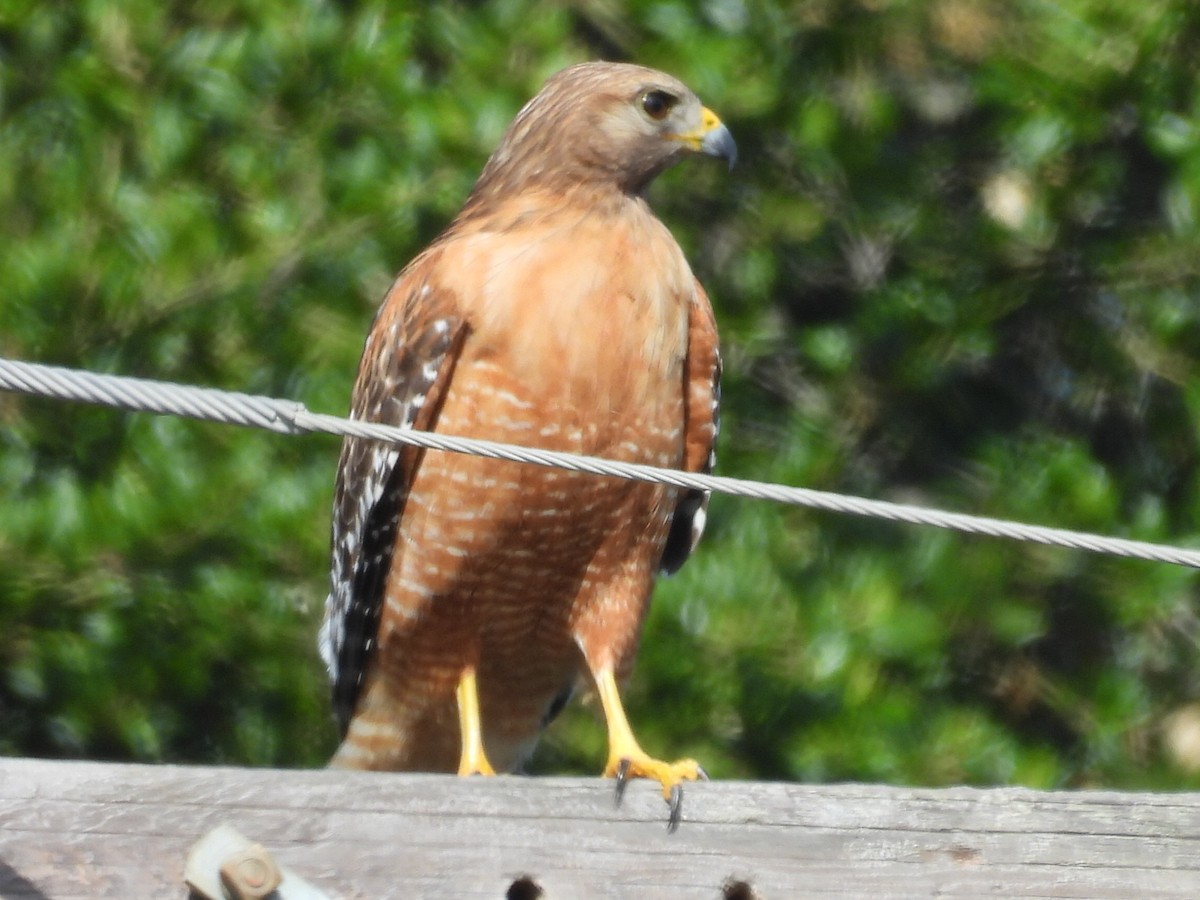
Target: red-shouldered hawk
<point>469,596</point>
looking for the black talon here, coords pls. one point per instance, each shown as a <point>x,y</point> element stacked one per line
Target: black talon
<point>622,779</point>
<point>676,802</point>
<point>701,773</point>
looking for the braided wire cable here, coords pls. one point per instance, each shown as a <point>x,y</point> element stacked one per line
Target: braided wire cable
<point>291,417</point>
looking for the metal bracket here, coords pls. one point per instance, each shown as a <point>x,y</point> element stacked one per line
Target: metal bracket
<point>225,865</point>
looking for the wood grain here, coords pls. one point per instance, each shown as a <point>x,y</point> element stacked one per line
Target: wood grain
<point>83,829</point>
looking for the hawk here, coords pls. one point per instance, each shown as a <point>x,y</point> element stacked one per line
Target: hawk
<point>470,597</point>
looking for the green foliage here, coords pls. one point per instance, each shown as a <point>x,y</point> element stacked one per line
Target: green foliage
<point>956,267</point>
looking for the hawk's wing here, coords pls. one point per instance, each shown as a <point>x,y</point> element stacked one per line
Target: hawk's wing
<point>702,399</point>
<point>406,365</point>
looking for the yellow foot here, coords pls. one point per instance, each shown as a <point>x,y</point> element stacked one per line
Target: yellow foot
<point>670,775</point>
<point>477,767</point>
<point>626,759</point>
<point>473,760</point>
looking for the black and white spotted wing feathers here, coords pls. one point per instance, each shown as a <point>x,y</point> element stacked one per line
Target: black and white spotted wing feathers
<point>406,364</point>
<point>702,395</point>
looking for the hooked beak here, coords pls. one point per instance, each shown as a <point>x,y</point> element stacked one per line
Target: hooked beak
<point>712,138</point>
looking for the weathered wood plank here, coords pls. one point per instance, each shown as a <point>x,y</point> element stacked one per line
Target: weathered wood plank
<point>92,830</point>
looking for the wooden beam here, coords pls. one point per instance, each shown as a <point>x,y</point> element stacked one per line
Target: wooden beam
<point>95,830</point>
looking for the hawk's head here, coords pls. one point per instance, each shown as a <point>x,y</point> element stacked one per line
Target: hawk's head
<point>604,123</point>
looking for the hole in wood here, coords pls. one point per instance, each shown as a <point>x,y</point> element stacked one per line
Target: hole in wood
<point>736,889</point>
<point>524,888</point>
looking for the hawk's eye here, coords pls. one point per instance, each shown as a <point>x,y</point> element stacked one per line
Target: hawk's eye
<point>657,104</point>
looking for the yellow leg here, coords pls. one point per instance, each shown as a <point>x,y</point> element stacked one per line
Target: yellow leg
<point>626,758</point>
<point>473,760</point>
